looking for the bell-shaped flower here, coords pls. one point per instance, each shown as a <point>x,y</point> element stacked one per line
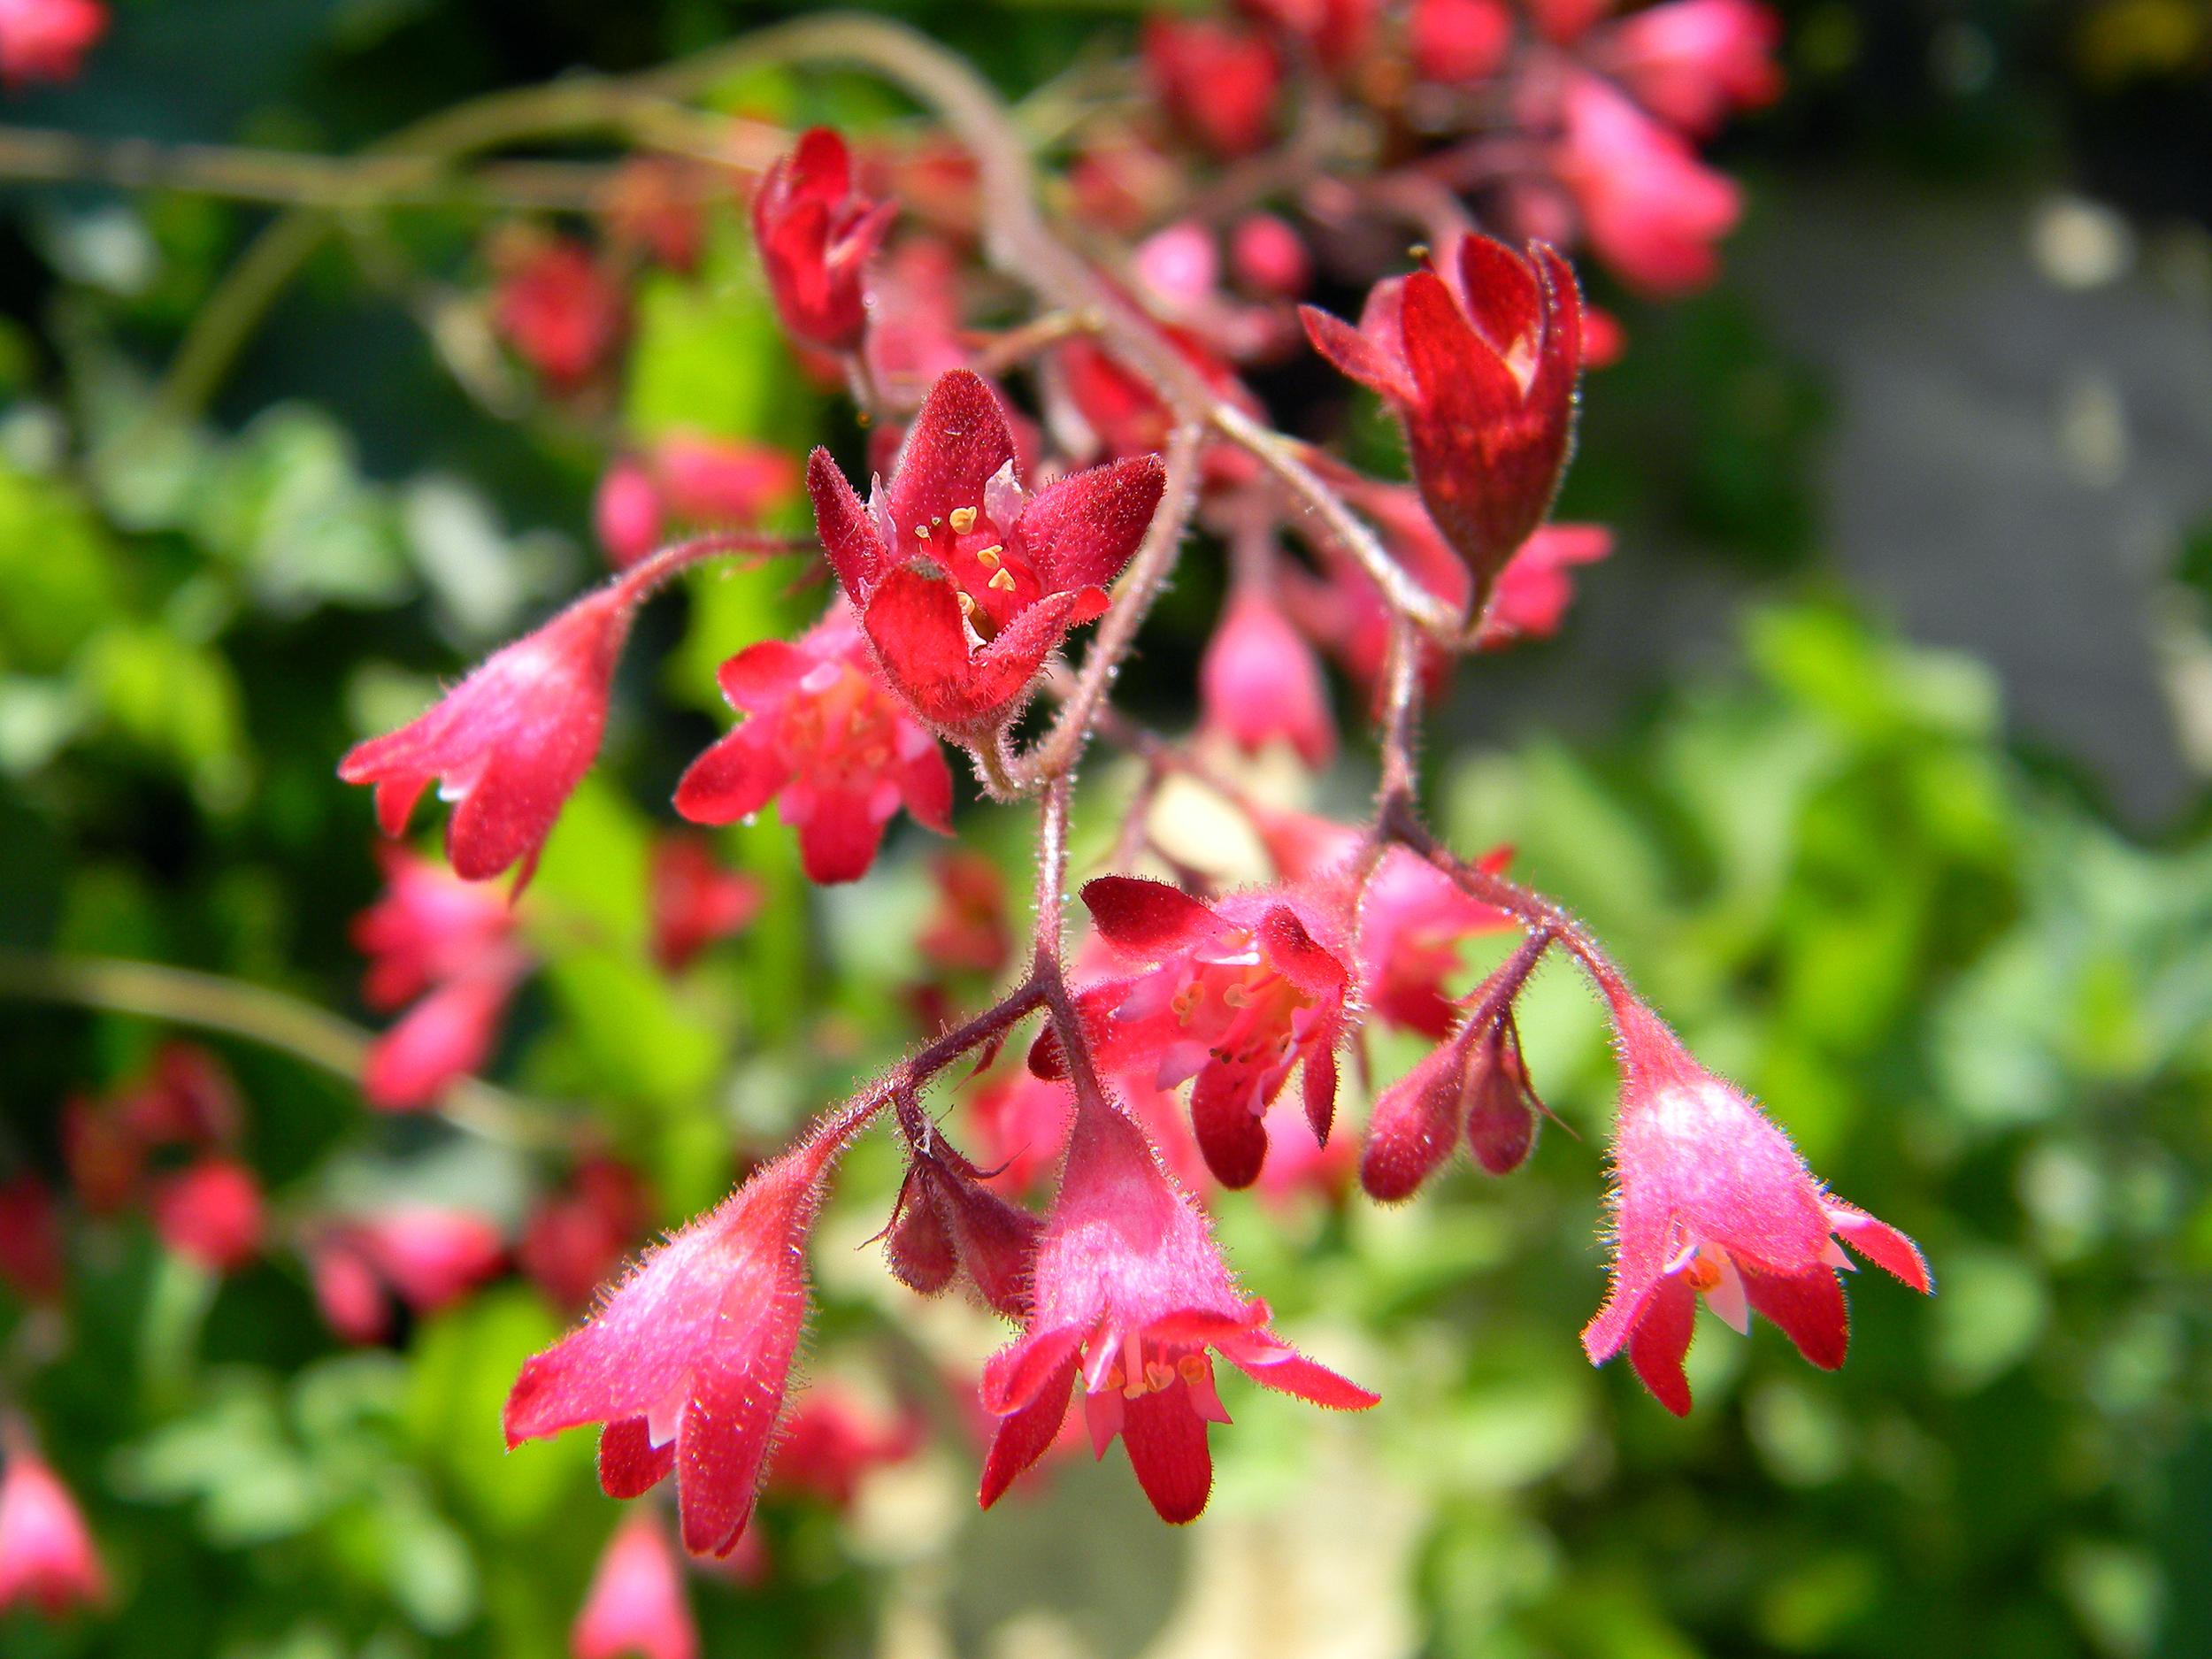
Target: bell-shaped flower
<point>827,741</point>
<point>1215,79</point>
<point>1259,683</point>
<point>1534,588</point>
<point>1130,1295</point>
<point>510,742</point>
<point>46,1554</point>
<point>692,900</point>
<point>210,1212</point>
<point>1412,920</point>
<point>1455,40</point>
<point>559,311</point>
<point>1650,209</point>
<point>448,1034</point>
<point>814,236</point>
<point>1269,257</point>
<point>636,1604</point>
<point>1234,995</point>
<point>575,1238</point>
<point>964,581</point>
<point>686,1361</point>
<point>1711,1198</point>
<point>46,40</point>
<point>1479,353</point>
<point>427,926</point>
<point>1694,62</point>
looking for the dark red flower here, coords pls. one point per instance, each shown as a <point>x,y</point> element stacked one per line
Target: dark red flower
<point>509,743</point>
<point>1235,995</point>
<point>967,931</point>
<point>948,1225</point>
<point>1131,1293</point>
<point>694,899</point>
<point>1218,79</point>
<point>815,237</point>
<point>560,311</point>
<point>46,40</point>
<point>964,581</point>
<point>1479,356</point>
<point>1711,1198</point>
<point>827,743</point>
<point>1475,1083</point>
<point>686,1363</point>
<point>46,1554</point>
<point>635,1605</point>
<point>576,1238</point>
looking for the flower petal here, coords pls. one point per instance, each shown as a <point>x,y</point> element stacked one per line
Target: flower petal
<point>1082,530</point>
<point>630,1465</point>
<point>1147,919</point>
<point>1660,1341</point>
<point>1808,1307</point>
<point>1166,1440</point>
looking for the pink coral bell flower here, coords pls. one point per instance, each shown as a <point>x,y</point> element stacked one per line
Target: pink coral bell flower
<point>827,742</point>
<point>1692,62</point>
<point>1259,682</point>
<point>1131,1293</point>
<point>510,744</point>
<point>1652,211</point>
<point>686,1361</point>
<point>815,236</point>
<point>964,581</point>
<point>1479,353</point>
<point>1234,995</point>
<point>1711,1199</point>
<point>635,1604</point>
<point>46,1554</point>
<point>46,40</point>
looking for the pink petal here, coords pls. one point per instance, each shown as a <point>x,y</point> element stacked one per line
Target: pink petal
<point>1277,1366</point>
<point>630,1465</point>
<point>1025,1435</point>
<point>1014,1375</point>
<point>1809,1307</point>
<point>915,624</point>
<point>1357,356</point>
<point>1145,919</point>
<point>838,838</point>
<point>762,675</point>
<point>1880,1243</point>
<point>734,777</point>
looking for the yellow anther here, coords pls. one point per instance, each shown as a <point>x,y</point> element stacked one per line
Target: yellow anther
<point>989,556</point>
<point>1004,579</point>
<point>963,520</point>
<point>1194,1367</point>
<point>922,530</point>
<point>967,603</point>
<point>1157,1375</point>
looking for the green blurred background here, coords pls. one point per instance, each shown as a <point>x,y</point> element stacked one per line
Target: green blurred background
<point>1877,753</point>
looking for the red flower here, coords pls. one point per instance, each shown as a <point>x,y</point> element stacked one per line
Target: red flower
<point>1412,919</point>
<point>1535,590</point>
<point>1693,61</point>
<point>559,311</point>
<point>576,1238</point>
<point>46,40</point>
<point>1217,80</point>
<point>189,1099</point>
<point>446,1035</point>
<point>967,931</point>
<point>32,1264</point>
<point>1479,358</point>
<point>627,511</point>
<point>1709,1197</point>
<point>46,1554</point>
<point>714,482</point>
<point>1258,681</point>
<point>815,237</point>
<point>1130,1293</point>
<point>695,901</point>
<point>964,581</point>
<point>1652,211</point>
<point>825,741</point>
<point>829,1443</point>
<point>1458,40</point>
<point>1269,257</point>
<point>686,1364</point>
<point>210,1213</point>
<point>636,1603</point>
<point>430,1256</point>
<point>1234,995</point>
<point>1337,32</point>
<point>510,742</point>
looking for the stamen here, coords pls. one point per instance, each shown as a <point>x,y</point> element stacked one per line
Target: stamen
<point>1193,1366</point>
<point>1004,579</point>
<point>1159,1374</point>
<point>989,556</point>
<point>963,520</point>
<point>922,530</point>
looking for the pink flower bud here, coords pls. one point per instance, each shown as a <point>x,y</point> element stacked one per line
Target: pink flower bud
<point>686,1363</point>
<point>814,236</point>
<point>560,312</point>
<point>1651,210</point>
<point>47,1560</point>
<point>1692,62</point>
<point>1502,1107</point>
<point>1258,682</point>
<point>510,742</point>
<point>210,1213</point>
<point>636,1603</point>
<point>991,1242</point>
<point>46,40</point>
<point>627,512</point>
<point>1269,257</point>
<point>1217,80</point>
<point>1455,41</point>
<point>1479,353</point>
<point>1179,267</point>
<point>710,482</point>
<point>1414,1126</point>
<point>694,901</point>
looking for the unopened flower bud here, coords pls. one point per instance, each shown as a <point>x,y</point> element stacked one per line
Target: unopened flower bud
<point>1502,1107</point>
<point>1415,1124</point>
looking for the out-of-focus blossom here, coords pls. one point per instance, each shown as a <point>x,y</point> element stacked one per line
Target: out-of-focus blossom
<point>576,1238</point>
<point>560,311</point>
<point>814,236</point>
<point>1694,62</point>
<point>47,1560</point>
<point>1454,40</point>
<point>1269,258</point>
<point>46,40</point>
<point>210,1213</point>
<point>31,1263</point>
<point>694,899</point>
<point>636,1604</point>
<point>1216,79</point>
<point>1258,681</point>
<point>1651,210</point>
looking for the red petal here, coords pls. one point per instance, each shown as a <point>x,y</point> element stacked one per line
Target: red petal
<point>1811,1308</point>
<point>1166,1440</point>
<point>721,1444</point>
<point>1662,1338</point>
<point>1230,1132</point>
<point>1356,355</point>
<point>1318,1086</point>
<point>1450,363</point>
<point>630,1465</point>
<point>1293,953</point>
<point>1028,1434</point>
<point>1279,1366</point>
<point>1082,530</point>
<point>1001,671</point>
<point>734,778</point>
<point>819,165</point>
<point>395,798</point>
<point>855,551</point>
<point>762,675</point>
<point>914,622</point>
<point>1881,1244</point>
<point>955,444</point>
<point>926,785</point>
<point>1014,1375</point>
<point>1503,298</point>
<point>837,840</point>
<point>1148,920</point>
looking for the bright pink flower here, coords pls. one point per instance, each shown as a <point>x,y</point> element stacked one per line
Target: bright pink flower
<point>964,581</point>
<point>1692,62</point>
<point>686,1363</point>
<point>1130,1293</point>
<point>433,1256</point>
<point>1454,40</point>
<point>1258,681</point>
<point>560,311</point>
<point>636,1603</point>
<point>1479,356</point>
<point>1269,257</point>
<point>694,901</point>
<point>428,927</point>
<point>46,40</point>
<point>31,1263</point>
<point>967,931</point>
<point>1651,210</point>
<point>348,1294</point>
<point>829,1442</point>
<point>576,1238</point>
<point>1535,590</point>
<point>1179,267</point>
<point>210,1212</point>
<point>627,512</point>
<point>1217,80</point>
<point>1412,920</point>
<point>446,1035</point>
<point>715,482</point>
<point>1709,1197</point>
<point>827,743</point>
<point>1235,995</point>
<point>815,237</point>
<point>510,742</point>
<point>46,1554</point>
